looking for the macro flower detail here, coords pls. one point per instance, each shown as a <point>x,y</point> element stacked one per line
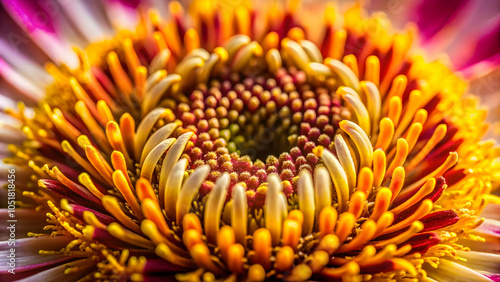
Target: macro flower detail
<point>239,145</point>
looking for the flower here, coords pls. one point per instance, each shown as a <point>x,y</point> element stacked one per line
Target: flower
<point>231,144</point>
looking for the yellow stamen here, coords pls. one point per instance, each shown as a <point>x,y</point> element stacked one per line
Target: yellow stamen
<point>296,34</point>
<point>235,255</point>
<point>225,239</point>
<point>68,149</point>
<point>112,205</point>
<point>424,208</point>
<point>166,253</point>
<point>413,134</point>
<point>416,226</point>
<point>91,123</point>
<point>372,72</point>
<point>144,190</point>
<point>105,114</point>
<point>85,180</point>
<point>291,233</point>
<point>385,135</point>
<point>400,158</point>
<point>273,60</point>
<point>357,203</point>
<point>419,195</point>
<point>368,229</point>
<point>350,268</point>
<point>379,165</point>
<point>382,202</point>
<point>262,246</point>
<point>118,162</point>
<point>242,18</point>
<point>336,50</point>
<point>90,218</point>
<point>270,41</point>
<point>122,185</point>
<point>329,243</point>
<point>365,181</point>
<point>115,138</point>
<point>284,258</point>
<point>130,56</point>
<point>140,76</point>
<point>345,224</point>
<point>120,77</point>
<point>436,137</point>
<point>449,163</point>
<point>99,163</point>
<point>127,128</point>
<point>397,181</point>
<point>351,62</point>
<point>395,109</point>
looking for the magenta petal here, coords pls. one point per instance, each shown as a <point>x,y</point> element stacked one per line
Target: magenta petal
<point>487,46</point>
<point>432,16</point>
<point>27,256</point>
<point>33,14</point>
<point>128,3</point>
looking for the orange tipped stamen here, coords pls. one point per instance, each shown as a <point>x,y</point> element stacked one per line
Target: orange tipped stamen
<point>144,190</point>
<point>327,220</point>
<point>372,72</point>
<point>379,165</point>
<point>436,137</point>
<point>345,224</point>
<point>191,40</point>
<point>284,258</point>
<point>397,181</point>
<point>357,203</point>
<point>419,195</point>
<point>350,268</point>
<point>368,229</point>
<point>115,138</point>
<point>291,233</point>
<point>99,164</point>
<point>120,77</point>
<point>105,114</point>
<point>191,221</point>
<point>416,226</point>
<point>225,239</point>
<point>352,63</point>
<point>235,255</point>
<point>130,56</point>
<point>121,184</point>
<point>262,246</point>
<point>365,181</point>
<point>424,208</point>
<point>337,48</point>
<point>329,243</point>
<point>382,202</point>
<point>400,158</point>
<point>385,135</point>
<point>112,205</point>
<point>394,111</point>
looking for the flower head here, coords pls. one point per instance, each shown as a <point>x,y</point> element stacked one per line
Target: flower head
<point>232,143</point>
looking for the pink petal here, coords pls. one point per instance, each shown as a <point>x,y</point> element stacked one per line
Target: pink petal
<point>26,252</point>
<point>431,16</point>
